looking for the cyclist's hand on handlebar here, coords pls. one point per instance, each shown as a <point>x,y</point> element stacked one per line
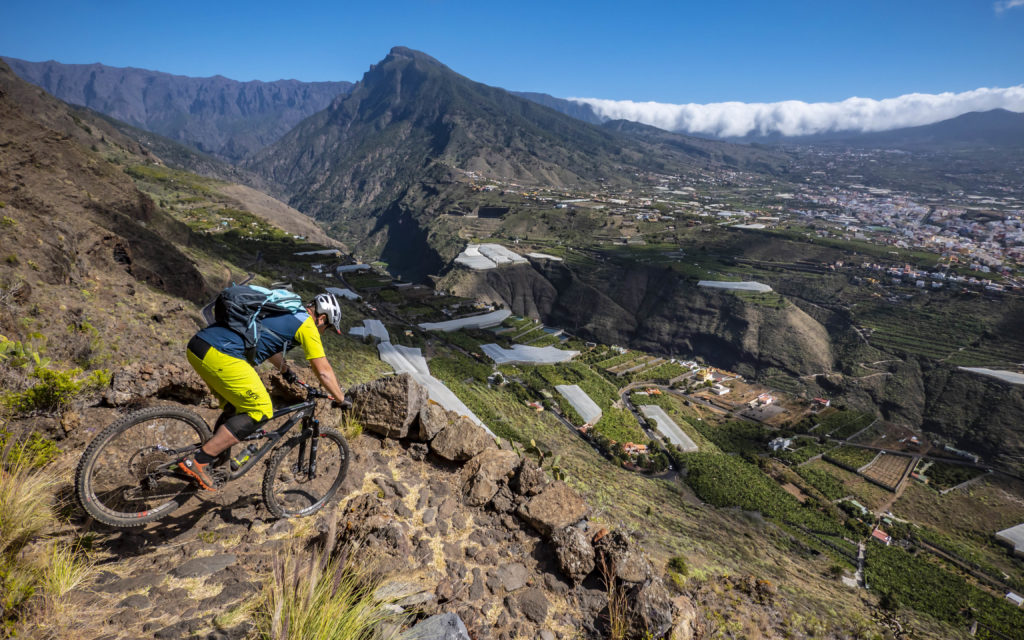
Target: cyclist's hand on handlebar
<point>290,377</point>
<point>344,404</point>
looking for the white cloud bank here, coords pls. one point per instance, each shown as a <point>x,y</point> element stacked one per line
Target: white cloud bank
<point>1003,5</point>
<point>794,118</point>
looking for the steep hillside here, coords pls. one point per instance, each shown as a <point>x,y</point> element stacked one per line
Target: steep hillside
<point>215,115</point>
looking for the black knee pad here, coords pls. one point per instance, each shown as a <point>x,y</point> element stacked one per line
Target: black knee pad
<point>241,425</point>
<point>225,415</point>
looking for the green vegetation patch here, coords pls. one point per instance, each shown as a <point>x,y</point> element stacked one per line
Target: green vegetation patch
<point>843,424</point>
<point>852,458</point>
<point>729,481</point>
<point>831,487</point>
<point>943,475</point>
<point>907,580</point>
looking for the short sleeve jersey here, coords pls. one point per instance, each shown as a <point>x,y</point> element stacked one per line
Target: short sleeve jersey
<point>277,334</point>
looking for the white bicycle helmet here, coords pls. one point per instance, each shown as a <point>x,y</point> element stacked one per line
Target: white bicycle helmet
<point>326,304</point>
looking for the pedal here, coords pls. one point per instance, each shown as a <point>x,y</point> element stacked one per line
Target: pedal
<point>219,477</point>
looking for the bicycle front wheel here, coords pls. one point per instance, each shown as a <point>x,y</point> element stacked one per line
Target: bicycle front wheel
<point>289,491</point>
<point>128,475</point>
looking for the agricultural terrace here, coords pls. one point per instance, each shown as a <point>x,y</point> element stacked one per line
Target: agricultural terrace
<point>841,424</point>
<point>870,495</point>
<point>907,580</point>
<point>634,366</point>
<point>616,424</point>
<point>943,475</point>
<point>969,518</point>
<point>887,469</point>
<point>852,458</point>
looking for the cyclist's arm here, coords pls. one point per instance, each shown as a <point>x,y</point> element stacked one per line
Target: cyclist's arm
<point>325,374</point>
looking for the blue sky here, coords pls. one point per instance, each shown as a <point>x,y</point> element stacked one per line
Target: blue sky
<point>673,52</point>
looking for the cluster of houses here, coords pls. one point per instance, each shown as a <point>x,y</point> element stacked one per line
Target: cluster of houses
<point>921,278</point>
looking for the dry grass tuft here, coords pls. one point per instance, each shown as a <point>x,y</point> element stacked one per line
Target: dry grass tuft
<point>319,597</point>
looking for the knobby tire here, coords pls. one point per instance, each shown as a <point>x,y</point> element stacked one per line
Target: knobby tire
<point>108,449</point>
<point>303,497</point>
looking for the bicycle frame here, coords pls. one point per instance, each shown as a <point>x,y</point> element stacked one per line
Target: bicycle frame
<point>303,412</point>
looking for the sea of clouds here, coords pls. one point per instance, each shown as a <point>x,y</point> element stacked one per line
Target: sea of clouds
<point>794,118</point>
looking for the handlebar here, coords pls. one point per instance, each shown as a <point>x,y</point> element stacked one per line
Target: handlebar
<point>313,392</point>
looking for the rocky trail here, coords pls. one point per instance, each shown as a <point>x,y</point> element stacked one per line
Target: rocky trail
<point>468,536</point>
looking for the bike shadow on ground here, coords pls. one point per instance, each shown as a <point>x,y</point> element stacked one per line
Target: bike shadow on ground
<point>197,514</point>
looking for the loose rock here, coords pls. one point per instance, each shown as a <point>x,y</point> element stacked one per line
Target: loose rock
<point>557,507</point>
<point>461,440</point>
<point>485,473</point>
<point>574,551</point>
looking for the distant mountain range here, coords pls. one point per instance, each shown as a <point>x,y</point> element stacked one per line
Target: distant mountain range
<point>215,115</point>
<point>997,128</point>
<point>379,156</point>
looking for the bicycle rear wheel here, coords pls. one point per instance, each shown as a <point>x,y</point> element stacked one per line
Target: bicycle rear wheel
<point>288,491</point>
<point>128,474</point>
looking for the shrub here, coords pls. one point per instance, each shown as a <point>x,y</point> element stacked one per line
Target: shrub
<point>34,452</point>
<point>56,389</point>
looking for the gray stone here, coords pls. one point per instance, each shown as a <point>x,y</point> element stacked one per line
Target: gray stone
<point>447,508</point>
<point>651,607</point>
<point>461,440</point>
<point>388,406</point>
<point>511,576</point>
<point>279,527</point>
<point>132,584</point>
<point>135,602</point>
<point>485,473</point>
<point>429,514</point>
<point>557,507</point>
<point>445,626</point>
<point>230,593</point>
<point>534,605</point>
<point>547,635</point>
<point>530,479</point>
<point>574,551</point>
<point>624,557</point>
<point>182,629</point>
<point>431,419</point>
<point>204,566</point>
<point>418,451</point>
<point>503,500</point>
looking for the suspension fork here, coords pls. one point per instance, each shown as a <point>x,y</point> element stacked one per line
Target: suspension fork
<point>314,443</point>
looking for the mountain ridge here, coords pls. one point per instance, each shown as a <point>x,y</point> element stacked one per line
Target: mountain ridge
<point>215,115</point>
<point>411,128</point>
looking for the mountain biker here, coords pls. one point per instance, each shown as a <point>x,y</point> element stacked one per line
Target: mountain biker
<point>217,355</point>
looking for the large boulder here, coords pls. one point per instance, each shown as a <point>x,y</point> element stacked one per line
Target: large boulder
<point>431,420</point>
<point>461,440</point>
<point>485,474</point>
<point>556,507</point>
<point>623,558</point>
<point>574,551</point>
<point>388,406</point>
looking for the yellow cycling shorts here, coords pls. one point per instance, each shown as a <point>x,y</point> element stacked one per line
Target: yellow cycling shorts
<point>234,382</point>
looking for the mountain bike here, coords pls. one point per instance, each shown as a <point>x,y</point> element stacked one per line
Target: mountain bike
<point>129,475</point>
